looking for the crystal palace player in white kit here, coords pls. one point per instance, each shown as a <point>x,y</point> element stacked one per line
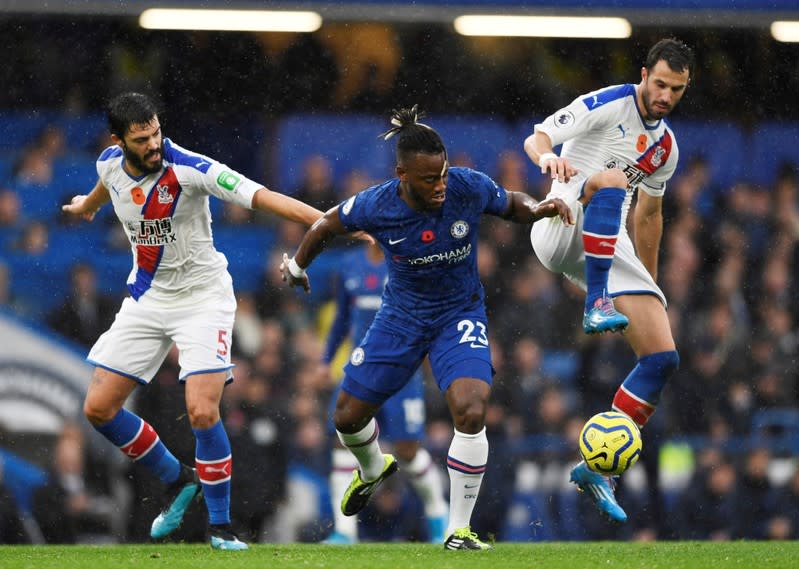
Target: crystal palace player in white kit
<point>616,142</point>
<point>180,293</point>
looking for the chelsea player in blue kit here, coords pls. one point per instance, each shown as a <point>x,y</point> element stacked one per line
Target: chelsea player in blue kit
<point>426,221</point>
<point>359,288</point>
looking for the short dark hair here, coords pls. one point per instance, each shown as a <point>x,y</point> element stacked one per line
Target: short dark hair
<point>128,109</point>
<point>414,137</point>
<point>675,53</point>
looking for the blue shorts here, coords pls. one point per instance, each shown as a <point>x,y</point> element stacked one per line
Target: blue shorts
<point>402,416</point>
<point>393,349</point>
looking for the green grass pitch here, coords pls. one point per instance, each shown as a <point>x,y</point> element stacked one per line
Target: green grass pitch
<point>659,555</point>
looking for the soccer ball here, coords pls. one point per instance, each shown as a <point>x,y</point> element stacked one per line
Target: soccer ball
<point>610,443</point>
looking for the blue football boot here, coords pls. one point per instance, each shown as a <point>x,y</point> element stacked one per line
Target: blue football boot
<point>436,526</point>
<point>223,538</point>
<point>603,317</point>
<point>181,494</point>
<point>600,489</point>
<point>338,538</point>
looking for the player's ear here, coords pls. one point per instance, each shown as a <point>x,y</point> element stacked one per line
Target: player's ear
<point>401,173</point>
<point>118,141</point>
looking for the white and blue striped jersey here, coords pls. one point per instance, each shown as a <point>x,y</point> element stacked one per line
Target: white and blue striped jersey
<point>167,219</point>
<point>605,129</point>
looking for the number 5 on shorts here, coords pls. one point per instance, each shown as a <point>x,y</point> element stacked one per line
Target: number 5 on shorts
<point>222,339</point>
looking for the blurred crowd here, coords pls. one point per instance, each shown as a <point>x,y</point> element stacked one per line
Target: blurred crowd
<point>719,455</point>
<point>375,66</point>
<point>727,268</point>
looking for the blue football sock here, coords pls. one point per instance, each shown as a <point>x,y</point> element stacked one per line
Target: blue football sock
<point>640,393</point>
<point>600,231</point>
<point>137,439</point>
<point>214,466</point>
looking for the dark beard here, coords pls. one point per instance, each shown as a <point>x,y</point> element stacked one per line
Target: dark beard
<point>140,164</point>
<point>652,114</point>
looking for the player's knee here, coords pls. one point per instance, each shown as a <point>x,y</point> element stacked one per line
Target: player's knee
<point>610,178</point>
<point>672,362</point>
<point>469,417</point>
<point>468,402</point>
<point>203,415</point>
<point>662,363</point>
<point>97,414</point>
<point>352,414</point>
<point>347,421</point>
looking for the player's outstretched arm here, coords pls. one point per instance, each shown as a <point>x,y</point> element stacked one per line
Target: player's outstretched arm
<point>285,206</point>
<point>88,205</point>
<point>327,228</point>
<point>524,209</point>
<point>538,147</point>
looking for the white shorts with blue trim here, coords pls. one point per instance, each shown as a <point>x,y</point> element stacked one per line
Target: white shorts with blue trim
<point>199,322</point>
<point>560,249</point>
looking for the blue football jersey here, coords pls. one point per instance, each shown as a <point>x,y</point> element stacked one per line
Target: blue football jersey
<point>431,255</point>
<point>359,289</point>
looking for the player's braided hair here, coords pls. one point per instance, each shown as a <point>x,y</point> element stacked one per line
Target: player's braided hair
<point>414,137</point>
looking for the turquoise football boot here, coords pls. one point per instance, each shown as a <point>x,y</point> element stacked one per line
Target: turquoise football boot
<point>604,317</point>
<point>600,489</point>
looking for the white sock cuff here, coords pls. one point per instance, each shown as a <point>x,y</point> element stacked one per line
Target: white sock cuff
<point>468,453</point>
<point>362,438</point>
<point>480,435</point>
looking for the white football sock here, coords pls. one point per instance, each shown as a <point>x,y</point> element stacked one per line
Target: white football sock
<point>426,479</point>
<point>366,448</point>
<point>466,463</point>
<point>340,477</point>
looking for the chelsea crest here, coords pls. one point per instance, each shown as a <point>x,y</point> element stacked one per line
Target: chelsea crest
<point>459,229</point>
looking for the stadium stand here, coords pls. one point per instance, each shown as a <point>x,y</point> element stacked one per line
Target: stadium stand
<point>536,511</point>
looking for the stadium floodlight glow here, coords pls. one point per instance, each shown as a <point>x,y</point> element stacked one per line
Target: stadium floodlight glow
<point>785,31</point>
<point>230,20</point>
<point>543,26</point>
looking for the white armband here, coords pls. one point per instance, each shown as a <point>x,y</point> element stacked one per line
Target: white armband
<point>294,269</point>
<point>546,157</point>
